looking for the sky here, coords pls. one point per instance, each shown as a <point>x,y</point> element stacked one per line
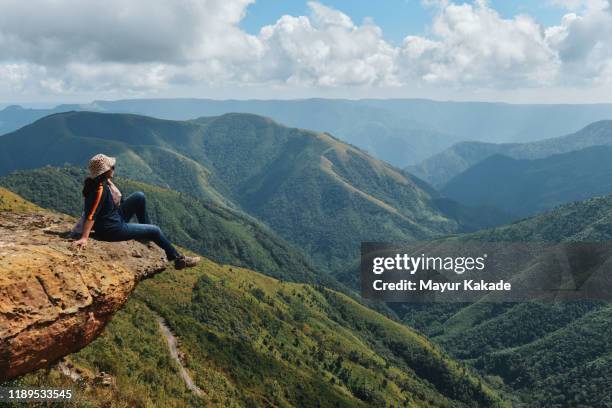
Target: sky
<point>545,51</point>
<point>397,18</point>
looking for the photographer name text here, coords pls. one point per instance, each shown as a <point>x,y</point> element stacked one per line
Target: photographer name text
<point>432,286</point>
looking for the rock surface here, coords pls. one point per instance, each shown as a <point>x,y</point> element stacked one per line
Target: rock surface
<point>54,300</point>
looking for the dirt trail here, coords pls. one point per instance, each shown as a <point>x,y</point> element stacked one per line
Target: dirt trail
<point>171,341</point>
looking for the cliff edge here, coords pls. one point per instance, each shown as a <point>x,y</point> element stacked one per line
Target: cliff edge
<point>54,300</point>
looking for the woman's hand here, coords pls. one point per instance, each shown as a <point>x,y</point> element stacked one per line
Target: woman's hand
<point>79,244</point>
<point>82,243</point>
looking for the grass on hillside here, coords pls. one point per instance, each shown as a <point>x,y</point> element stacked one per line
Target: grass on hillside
<point>206,227</point>
<point>251,340</point>
<point>10,201</point>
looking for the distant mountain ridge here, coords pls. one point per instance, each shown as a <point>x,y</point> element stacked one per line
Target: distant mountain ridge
<point>526,187</point>
<point>13,117</point>
<point>399,131</point>
<point>441,168</point>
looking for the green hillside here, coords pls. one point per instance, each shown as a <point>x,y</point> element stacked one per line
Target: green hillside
<point>222,234</point>
<point>250,340</point>
<point>444,166</point>
<point>552,354</point>
<point>144,148</point>
<point>526,187</point>
<point>588,220</point>
<point>316,191</point>
<point>312,189</point>
<point>10,201</point>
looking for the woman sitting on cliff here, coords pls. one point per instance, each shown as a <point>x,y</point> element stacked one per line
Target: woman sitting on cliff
<point>109,214</point>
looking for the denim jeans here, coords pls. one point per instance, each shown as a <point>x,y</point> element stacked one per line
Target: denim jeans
<point>136,204</point>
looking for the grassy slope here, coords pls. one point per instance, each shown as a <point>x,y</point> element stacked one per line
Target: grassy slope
<point>10,201</point>
<point>214,230</point>
<point>316,191</point>
<point>251,340</point>
<point>580,221</point>
<point>557,352</point>
<point>134,352</point>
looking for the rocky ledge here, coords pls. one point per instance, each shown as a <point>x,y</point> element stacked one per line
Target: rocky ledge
<point>54,300</point>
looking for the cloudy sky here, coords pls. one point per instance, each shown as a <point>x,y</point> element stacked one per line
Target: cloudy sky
<point>506,50</point>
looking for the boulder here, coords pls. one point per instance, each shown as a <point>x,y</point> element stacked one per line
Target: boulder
<point>54,299</point>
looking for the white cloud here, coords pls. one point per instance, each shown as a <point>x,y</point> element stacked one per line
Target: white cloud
<point>17,77</point>
<point>59,31</point>
<point>471,45</point>
<point>326,49</point>
<point>584,44</point>
<point>139,44</point>
<point>131,46</point>
<point>474,45</point>
<point>581,5</point>
<point>154,46</point>
<point>326,16</point>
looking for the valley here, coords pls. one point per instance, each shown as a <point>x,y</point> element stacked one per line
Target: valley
<point>312,189</point>
<point>252,340</point>
<point>256,197</point>
<point>344,204</point>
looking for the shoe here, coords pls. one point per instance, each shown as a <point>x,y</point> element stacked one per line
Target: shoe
<point>183,261</point>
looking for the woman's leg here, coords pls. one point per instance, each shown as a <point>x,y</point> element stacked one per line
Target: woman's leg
<point>135,204</point>
<point>145,232</point>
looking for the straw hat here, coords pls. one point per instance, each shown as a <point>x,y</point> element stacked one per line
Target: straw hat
<point>100,164</point>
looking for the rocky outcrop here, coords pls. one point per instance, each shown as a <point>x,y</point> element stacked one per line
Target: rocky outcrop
<point>54,300</point>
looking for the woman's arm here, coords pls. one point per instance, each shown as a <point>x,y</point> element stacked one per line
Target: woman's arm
<point>87,226</point>
<point>92,207</point>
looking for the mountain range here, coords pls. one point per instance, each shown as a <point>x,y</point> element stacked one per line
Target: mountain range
<point>444,166</point>
<point>310,188</point>
<point>401,132</point>
<point>569,341</point>
<point>526,187</point>
<point>256,184</point>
